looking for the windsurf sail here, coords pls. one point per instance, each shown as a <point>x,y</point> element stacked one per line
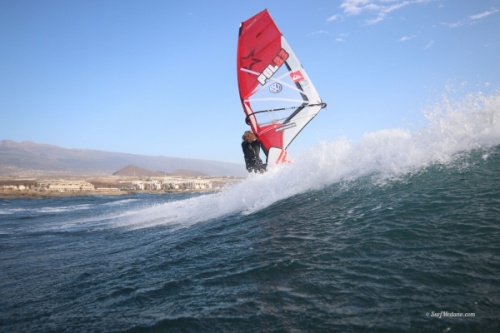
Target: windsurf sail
<point>277,96</point>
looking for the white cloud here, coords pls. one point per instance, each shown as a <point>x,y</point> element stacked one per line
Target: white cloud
<point>482,15</point>
<point>453,25</point>
<point>341,37</point>
<point>429,45</point>
<point>471,19</point>
<point>379,9</point>
<point>407,38</point>
<point>355,7</point>
<point>336,17</point>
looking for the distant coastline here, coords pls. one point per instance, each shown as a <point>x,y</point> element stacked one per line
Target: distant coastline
<point>40,195</point>
<point>16,194</point>
<point>33,170</point>
<point>15,188</point>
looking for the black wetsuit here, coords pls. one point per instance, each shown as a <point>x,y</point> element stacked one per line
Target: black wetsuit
<point>251,152</point>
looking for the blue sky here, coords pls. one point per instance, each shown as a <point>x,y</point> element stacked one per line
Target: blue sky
<point>159,77</point>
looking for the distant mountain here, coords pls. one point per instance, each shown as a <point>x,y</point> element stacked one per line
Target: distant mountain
<point>30,157</point>
<point>132,170</point>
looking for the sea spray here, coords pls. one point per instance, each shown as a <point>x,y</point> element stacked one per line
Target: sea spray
<point>453,128</point>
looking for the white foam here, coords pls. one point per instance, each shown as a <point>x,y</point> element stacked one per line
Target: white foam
<point>9,211</point>
<point>45,210</point>
<point>471,123</point>
<point>120,202</point>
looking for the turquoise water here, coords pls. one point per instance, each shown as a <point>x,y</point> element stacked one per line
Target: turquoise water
<point>398,233</point>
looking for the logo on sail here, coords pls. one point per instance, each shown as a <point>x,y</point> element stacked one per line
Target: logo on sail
<point>296,76</point>
<point>273,67</point>
<point>275,88</point>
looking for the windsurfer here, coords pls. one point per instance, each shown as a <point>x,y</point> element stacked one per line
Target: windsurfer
<point>251,150</point>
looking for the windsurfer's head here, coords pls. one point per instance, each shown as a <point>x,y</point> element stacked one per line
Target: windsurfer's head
<point>248,136</point>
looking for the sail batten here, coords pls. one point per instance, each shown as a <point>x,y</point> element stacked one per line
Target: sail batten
<point>277,96</point>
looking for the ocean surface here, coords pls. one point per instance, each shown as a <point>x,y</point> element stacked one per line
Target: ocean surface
<point>399,232</point>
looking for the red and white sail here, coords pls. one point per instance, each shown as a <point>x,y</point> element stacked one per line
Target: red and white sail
<point>278,97</point>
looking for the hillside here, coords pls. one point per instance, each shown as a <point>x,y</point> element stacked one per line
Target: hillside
<point>135,171</point>
<point>27,158</point>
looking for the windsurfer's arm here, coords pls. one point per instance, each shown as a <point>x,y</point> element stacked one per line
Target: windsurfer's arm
<point>248,156</point>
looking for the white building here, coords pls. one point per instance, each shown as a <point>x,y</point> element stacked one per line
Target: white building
<point>65,185</point>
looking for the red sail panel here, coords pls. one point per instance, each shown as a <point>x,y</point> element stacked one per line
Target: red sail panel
<point>259,42</point>
<point>258,45</point>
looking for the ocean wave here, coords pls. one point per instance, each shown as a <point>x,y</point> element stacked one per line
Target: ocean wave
<point>453,128</point>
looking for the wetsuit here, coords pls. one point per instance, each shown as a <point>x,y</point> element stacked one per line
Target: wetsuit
<point>251,152</point>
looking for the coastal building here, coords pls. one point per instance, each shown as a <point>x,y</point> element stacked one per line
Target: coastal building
<point>14,187</point>
<point>172,184</point>
<point>186,184</point>
<point>65,185</point>
<point>49,186</point>
<point>138,185</point>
